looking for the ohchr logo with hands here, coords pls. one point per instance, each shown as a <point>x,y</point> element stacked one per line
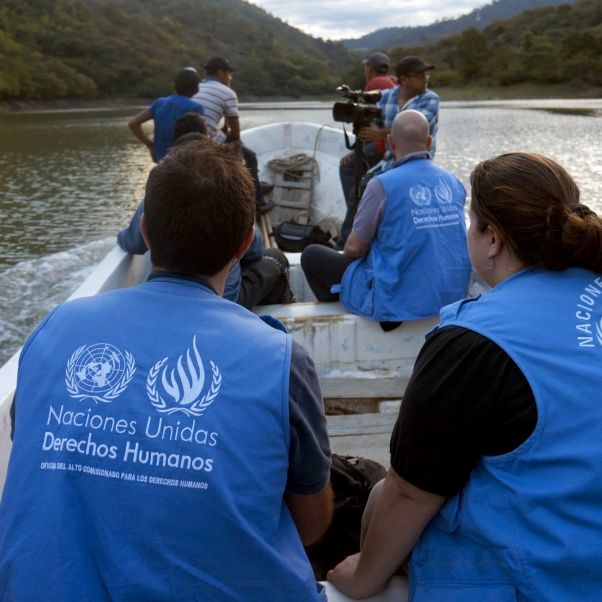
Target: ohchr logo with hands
<point>183,385</point>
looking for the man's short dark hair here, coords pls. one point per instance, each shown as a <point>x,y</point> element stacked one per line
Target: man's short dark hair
<point>186,82</point>
<point>187,123</point>
<point>199,206</point>
<point>217,63</point>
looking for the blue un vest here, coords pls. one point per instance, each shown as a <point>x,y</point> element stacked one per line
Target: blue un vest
<point>418,261</point>
<point>528,524</point>
<point>151,455</point>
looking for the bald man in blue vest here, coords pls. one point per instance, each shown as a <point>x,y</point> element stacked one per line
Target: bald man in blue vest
<point>407,255</point>
<point>168,443</point>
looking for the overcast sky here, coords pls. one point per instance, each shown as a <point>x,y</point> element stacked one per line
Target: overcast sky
<point>336,19</point>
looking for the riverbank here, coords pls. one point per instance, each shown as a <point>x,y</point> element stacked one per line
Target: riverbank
<point>464,93</point>
<point>72,104</point>
<point>111,104</point>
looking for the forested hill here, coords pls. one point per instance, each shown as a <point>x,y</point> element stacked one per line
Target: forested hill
<point>479,18</point>
<point>107,48</point>
<point>555,45</point>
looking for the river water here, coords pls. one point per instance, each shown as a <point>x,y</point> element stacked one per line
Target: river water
<point>70,179</point>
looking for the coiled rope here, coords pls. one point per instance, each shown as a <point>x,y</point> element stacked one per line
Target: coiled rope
<point>290,166</point>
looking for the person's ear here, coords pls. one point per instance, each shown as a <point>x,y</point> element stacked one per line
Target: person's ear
<point>429,142</point>
<point>143,229</point>
<point>391,143</point>
<point>496,242</point>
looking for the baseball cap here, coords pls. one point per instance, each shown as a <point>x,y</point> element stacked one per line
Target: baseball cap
<point>377,59</point>
<point>412,64</point>
<point>217,63</point>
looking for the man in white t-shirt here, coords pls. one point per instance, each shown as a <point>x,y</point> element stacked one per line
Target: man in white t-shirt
<point>219,102</point>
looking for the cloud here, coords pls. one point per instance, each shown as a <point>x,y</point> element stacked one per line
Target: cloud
<point>336,19</point>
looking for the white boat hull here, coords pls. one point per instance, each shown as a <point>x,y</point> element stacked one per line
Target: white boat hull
<point>355,358</point>
<point>325,144</point>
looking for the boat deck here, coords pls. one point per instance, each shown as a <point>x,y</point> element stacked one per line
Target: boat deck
<point>364,435</point>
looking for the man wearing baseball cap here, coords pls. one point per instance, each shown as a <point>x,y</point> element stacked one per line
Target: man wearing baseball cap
<point>411,93</point>
<point>376,67</point>
<point>219,101</point>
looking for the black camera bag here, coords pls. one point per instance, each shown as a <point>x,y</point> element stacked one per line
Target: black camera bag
<point>293,238</point>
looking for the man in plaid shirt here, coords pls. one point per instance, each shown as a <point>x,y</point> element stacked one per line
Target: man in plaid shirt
<point>411,93</point>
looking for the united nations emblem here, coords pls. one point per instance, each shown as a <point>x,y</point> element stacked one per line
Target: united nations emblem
<point>183,384</point>
<point>599,332</point>
<point>100,372</point>
<point>420,195</point>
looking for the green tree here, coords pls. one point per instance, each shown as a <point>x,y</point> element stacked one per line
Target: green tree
<point>473,53</point>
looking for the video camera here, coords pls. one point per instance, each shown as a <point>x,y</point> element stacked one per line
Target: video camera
<point>360,108</point>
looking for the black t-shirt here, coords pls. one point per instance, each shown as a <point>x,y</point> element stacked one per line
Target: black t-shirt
<point>466,398</point>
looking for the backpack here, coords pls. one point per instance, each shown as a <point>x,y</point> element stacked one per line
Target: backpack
<point>352,480</point>
<point>293,238</point>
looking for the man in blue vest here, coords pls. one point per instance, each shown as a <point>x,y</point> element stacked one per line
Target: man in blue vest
<point>168,444</point>
<point>406,256</point>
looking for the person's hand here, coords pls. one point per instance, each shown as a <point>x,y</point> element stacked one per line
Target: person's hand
<point>347,159</point>
<point>372,133</point>
<point>343,577</point>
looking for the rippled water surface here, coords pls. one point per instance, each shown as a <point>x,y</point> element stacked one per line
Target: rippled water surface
<point>69,180</point>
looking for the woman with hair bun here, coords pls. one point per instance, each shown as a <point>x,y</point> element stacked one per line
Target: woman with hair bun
<point>495,486</point>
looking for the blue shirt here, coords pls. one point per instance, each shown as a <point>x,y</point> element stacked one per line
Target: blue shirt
<point>165,111</point>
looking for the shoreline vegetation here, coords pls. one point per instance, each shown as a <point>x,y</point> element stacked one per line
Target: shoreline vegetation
<point>460,93</point>
<point>85,49</point>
